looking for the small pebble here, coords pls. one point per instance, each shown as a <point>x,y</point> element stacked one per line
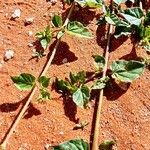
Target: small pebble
<point>61,133</point>
<point>1,11</point>
<point>6,15</point>
<point>64,60</point>
<point>29,20</point>
<point>30,44</point>
<point>30,33</point>
<point>68,64</point>
<point>16,14</point>
<point>8,54</point>
<point>34,50</point>
<point>45,15</point>
<point>47,146</point>
<point>53,2</point>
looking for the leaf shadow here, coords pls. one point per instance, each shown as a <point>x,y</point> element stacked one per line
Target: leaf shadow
<point>85,16</point>
<point>10,107</point>
<point>13,107</point>
<point>100,36</point>
<point>70,109</point>
<point>132,55</point>
<point>113,92</point>
<point>31,111</point>
<point>102,41</point>
<point>62,52</point>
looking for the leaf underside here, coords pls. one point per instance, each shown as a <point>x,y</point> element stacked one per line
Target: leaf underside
<point>76,144</point>
<point>126,71</point>
<point>77,29</point>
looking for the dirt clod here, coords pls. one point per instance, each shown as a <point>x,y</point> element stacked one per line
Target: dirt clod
<point>8,54</point>
<point>16,14</point>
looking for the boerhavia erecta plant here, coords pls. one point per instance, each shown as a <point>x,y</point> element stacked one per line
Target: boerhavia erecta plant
<point>73,28</point>
<point>27,81</point>
<point>132,21</point>
<point>122,71</point>
<point>80,144</point>
<point>75,87</point>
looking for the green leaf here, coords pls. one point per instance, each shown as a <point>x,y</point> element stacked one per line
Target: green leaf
<point>132,20</point>
<point>44,95</point>
<point>134,11</point>
<point>106,145</point>
<point>106,10</point>
<point>44,81</point>
<point>112,19</point>
<point>44,37</point>
<point>99,62</point>
<point>77,29</point>
<point>126,71</point>
<point>147,19</point>
<point>76,144</point>
<point>62,85</point>
<point>79,77</point>
<point>115,20</point>
<point>120,31</point>
<point>44,43</point>
<point>57,21</point>
<point>24,81</point>
<point>144,33</point>
<point>100,83</point>
<point>90,3</point>
<point>133,15</point>
<point>39,35</point>
<point>48,34</point>
<point>81,96</point>
<point>147,48</point>
<point>101,21</point>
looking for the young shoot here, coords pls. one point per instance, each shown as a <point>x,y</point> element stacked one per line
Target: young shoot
<point>26,81</point>
<point>44,37</point>
<point>75,87</point>
<point>81,125</point>
<point>128,22</point>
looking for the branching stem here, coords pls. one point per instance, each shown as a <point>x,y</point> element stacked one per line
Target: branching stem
<point>25,106</point>
<point>100,102</point>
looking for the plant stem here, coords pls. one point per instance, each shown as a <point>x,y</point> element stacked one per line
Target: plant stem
<point>100,102</point>
<point>25,106</point>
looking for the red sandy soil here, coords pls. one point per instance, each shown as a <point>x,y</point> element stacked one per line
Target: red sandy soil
<point>125,114</point>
